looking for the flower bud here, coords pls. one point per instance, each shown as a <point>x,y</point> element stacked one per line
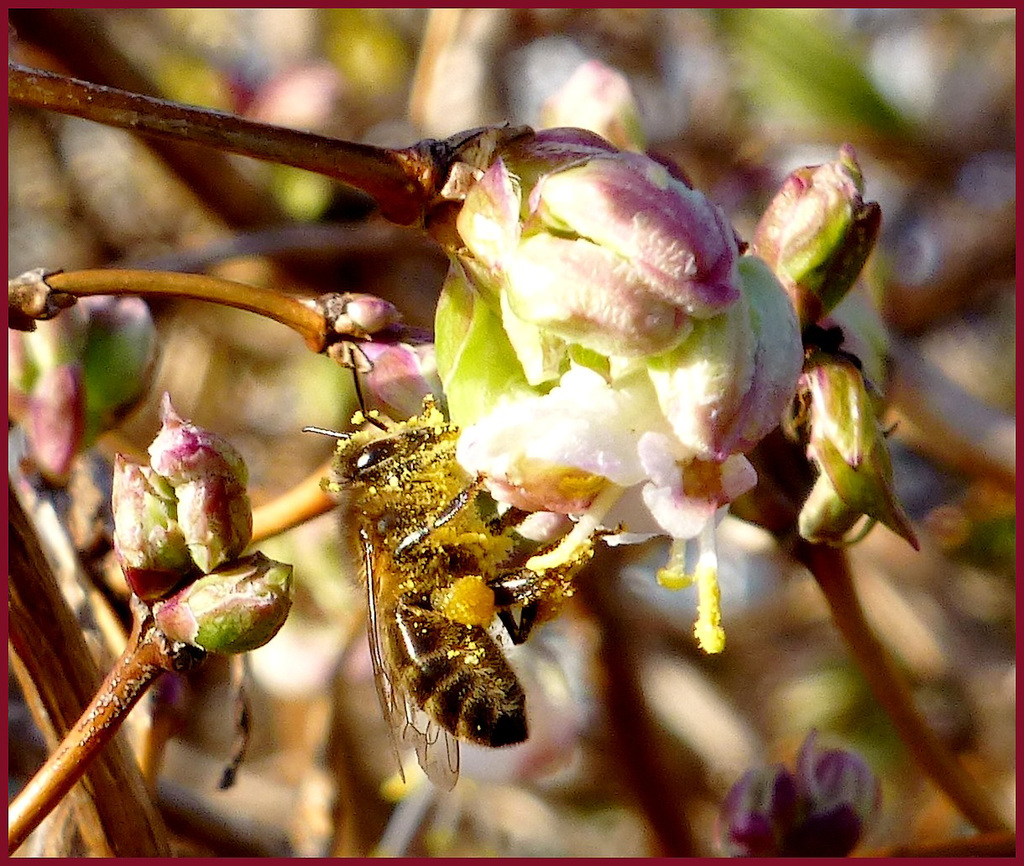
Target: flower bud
<point>598,98</point>
<point>119,350</point>
<point>847,444</point>
<point>841,797</point>
<point>209,479</point>
<point>758,813</point>
<point>817,233</point>
<point>71,378</point>
<point>148,541</point>
<point>55,423</point>
<point>236,608</point>
<point>186,513</point>
<point>820,810</point>
<point>401,375</point>
<point>366,314</point>
<point>726,385</point>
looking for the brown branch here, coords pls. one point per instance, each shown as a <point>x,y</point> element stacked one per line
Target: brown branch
<point>61,674</point>
<point>148,655</point>
<point>302,502</point>
<point>77,40</point>
<point>403,182</point>
<point>830,569</point>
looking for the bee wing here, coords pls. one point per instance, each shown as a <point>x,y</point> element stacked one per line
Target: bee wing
<point>408,725</point>
<point>436,749</point>
<point>393,714</point>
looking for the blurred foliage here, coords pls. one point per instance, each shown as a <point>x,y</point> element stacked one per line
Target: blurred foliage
<point>739,98</point>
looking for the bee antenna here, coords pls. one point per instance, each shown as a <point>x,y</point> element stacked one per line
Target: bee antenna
<point>355,347</point>
<point>323,431</point>
<point>357,386</point>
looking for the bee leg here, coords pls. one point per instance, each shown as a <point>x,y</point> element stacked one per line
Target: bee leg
<point>519,631</point>
<point>464,497</point>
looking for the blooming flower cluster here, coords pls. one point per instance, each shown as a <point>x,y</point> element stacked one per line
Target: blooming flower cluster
<point>607,351</point>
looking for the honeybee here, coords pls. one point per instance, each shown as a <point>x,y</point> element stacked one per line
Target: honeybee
<point>443,570</point>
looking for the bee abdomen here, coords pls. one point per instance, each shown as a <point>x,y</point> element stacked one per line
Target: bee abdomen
<point>459,676</point>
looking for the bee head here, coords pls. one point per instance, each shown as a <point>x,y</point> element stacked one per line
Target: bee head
<point>369,462</point>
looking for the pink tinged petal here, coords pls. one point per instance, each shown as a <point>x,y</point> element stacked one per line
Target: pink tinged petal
<point>683,496</point>
<point>778,357</point>
<point>588,295</point>
<point>681,244</point>
<point>701,383</point>
<point>726,386</point>
<point>488,222</point>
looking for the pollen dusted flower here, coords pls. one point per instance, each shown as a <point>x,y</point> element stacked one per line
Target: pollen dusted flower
<point>606,350</point>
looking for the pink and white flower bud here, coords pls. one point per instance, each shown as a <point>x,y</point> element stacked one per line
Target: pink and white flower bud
<point>148,541</point>
<point>817,233</point>
<point>235,609</point>
<point>402,374</point>
<point>209,479</point>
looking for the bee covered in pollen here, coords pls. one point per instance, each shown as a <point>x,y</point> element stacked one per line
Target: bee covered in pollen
<point>443,570</point>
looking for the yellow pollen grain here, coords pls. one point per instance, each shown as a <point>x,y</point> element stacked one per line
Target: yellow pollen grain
<point>469,601</point>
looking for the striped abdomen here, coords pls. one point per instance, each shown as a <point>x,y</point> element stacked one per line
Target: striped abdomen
<point>456,673</point>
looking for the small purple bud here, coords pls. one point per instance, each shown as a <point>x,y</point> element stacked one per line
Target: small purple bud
<point>841,798</point>
<point>236,608</point>
<point>758,813</point>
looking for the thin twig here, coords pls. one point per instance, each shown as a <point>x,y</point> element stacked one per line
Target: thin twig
<point>287,310</point>
<point>302,502</point>
<point>1001,844</point>
<point>830,568</point>
<point>148,655</point>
